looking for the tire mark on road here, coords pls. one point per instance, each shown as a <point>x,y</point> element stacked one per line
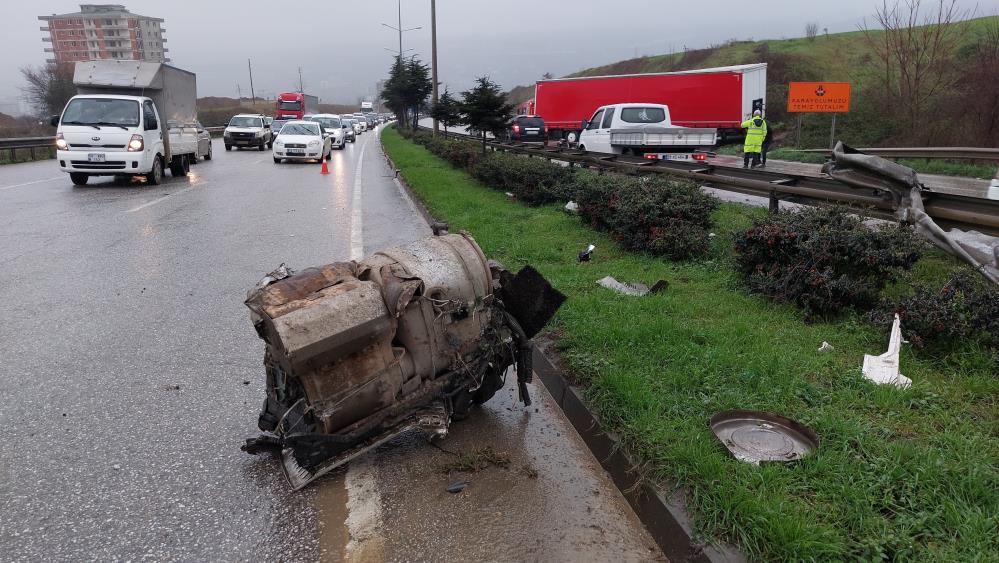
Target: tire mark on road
<point>164,198</point>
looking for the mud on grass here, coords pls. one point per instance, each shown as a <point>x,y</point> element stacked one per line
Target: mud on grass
<point>899,474</point>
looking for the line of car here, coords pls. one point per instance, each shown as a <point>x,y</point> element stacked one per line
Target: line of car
<point>310,138</point>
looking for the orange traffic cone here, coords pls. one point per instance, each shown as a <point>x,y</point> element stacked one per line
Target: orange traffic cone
<point>326,169</point>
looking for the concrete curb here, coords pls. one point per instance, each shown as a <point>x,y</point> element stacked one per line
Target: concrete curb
<point>666,519</point>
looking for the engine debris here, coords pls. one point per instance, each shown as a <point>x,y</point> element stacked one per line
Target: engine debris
<point>359,352</point>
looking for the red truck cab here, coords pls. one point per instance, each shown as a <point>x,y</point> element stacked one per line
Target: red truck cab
<point>291,105</point>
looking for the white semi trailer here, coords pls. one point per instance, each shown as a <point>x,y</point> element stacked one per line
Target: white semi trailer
<point>130,118</point>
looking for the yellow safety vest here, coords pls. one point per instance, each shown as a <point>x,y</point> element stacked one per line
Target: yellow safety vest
<point>756,131</point>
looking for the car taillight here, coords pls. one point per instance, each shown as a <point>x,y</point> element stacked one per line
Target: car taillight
<point>136,143</point>
<point>700,156</point>
<point>516,128</point>
<point>651,156</point>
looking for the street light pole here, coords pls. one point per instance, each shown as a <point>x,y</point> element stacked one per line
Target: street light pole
<point>433,56</point>
<point>400,30</point>
<point>253,95</point>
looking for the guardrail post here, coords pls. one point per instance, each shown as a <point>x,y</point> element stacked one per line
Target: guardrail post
<point>774,202</point>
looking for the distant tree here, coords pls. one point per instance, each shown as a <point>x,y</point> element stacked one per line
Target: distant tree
<point>917,56</point>
<point>447,110</point>
<point>485,109</point>
<point>407,89</point>
<point>811,30</point>
<point>547,76</point>
<point>48,87</point>
<point>419,87</point>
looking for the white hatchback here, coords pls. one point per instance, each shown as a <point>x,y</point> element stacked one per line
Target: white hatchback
<point>301,140</point>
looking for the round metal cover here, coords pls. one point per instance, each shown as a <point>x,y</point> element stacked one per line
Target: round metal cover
<point>754,436</point>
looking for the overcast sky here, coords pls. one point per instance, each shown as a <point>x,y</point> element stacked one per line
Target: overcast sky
<point>342,46</point>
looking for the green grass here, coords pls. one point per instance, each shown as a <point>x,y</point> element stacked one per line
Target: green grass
<point>24,155</point>
<point>904,474</point>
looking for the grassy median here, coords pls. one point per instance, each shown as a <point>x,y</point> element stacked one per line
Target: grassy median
<point>900,474</point>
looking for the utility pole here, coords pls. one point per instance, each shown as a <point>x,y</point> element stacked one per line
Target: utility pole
<point>433,56</point>
<point>301,85</point>
<point>239,93</point>
<point>253,95</point>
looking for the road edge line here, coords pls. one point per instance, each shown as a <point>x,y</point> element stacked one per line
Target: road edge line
<point>356,225</point>
<point>666,519</point>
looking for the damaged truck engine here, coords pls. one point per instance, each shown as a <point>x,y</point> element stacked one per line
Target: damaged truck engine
<point>409,338</point>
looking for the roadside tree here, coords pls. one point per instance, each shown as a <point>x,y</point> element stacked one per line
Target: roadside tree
<point>407,89</point>
<point>485,109</point>
<point>48,87</point>
<point>447,110</point>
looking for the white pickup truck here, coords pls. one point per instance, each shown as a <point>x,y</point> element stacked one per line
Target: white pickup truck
<point>130,118</point>
<point>644,130</point>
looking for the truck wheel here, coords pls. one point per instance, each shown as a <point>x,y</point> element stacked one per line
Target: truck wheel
<point>571,136</point>
<point>79,179</point>
<point>185,163</point>
<point>155,176</point>
<point>228,147</point>
<point>270,144</point>
<point>209,155</point>
<point>277,160</point>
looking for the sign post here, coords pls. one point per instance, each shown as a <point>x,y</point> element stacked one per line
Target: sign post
<point>819,97</point>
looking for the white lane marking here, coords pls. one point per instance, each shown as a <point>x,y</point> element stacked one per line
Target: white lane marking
<point>159,199</point>
<point>12,186</point>
<point>364,509</point>
<point>356,227</point>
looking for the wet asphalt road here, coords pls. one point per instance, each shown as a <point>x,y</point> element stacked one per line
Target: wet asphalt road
<point>131,374</point>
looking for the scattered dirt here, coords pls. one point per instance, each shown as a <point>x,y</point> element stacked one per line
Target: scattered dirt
<point>482,458</point>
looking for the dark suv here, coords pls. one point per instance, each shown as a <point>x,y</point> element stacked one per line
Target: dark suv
<point>527,129</point>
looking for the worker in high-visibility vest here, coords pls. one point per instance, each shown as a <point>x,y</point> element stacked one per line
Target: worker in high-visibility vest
<point>756,132</point>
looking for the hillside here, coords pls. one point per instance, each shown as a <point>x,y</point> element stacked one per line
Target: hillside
<point>966,113</point>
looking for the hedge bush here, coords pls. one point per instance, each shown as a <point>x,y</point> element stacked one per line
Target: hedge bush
<point>534,181</point>
<point>824,260</point>
<point>966,307</point>
<point>664,216</point>
<point>657,214</point>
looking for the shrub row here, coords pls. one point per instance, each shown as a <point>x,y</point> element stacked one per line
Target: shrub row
<point>660,215</point>
<point>965,308</point>
<point>823,260</point>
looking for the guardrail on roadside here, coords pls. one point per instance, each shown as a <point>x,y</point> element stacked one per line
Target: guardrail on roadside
<point>34,144</point>
<point>948,210</point>
<point>949,153</point>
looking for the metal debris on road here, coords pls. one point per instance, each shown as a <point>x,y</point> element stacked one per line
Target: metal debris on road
<point>359,352</point>
<point>755,436</point>
<point>635,289</point>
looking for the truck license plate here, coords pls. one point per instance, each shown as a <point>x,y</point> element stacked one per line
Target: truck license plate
<point>95,157</point>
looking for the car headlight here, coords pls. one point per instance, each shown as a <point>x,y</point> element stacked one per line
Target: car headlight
<point>259,133</point>
<point>226,133</point>
<point>61,143</point>
<point>313,143</point>
<point>136,143</point>
<point>279,144</point>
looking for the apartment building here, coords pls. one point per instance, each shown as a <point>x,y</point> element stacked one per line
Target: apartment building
<point>104,31</point>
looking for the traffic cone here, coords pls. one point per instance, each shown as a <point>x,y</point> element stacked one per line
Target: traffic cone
<point>326,169</point>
